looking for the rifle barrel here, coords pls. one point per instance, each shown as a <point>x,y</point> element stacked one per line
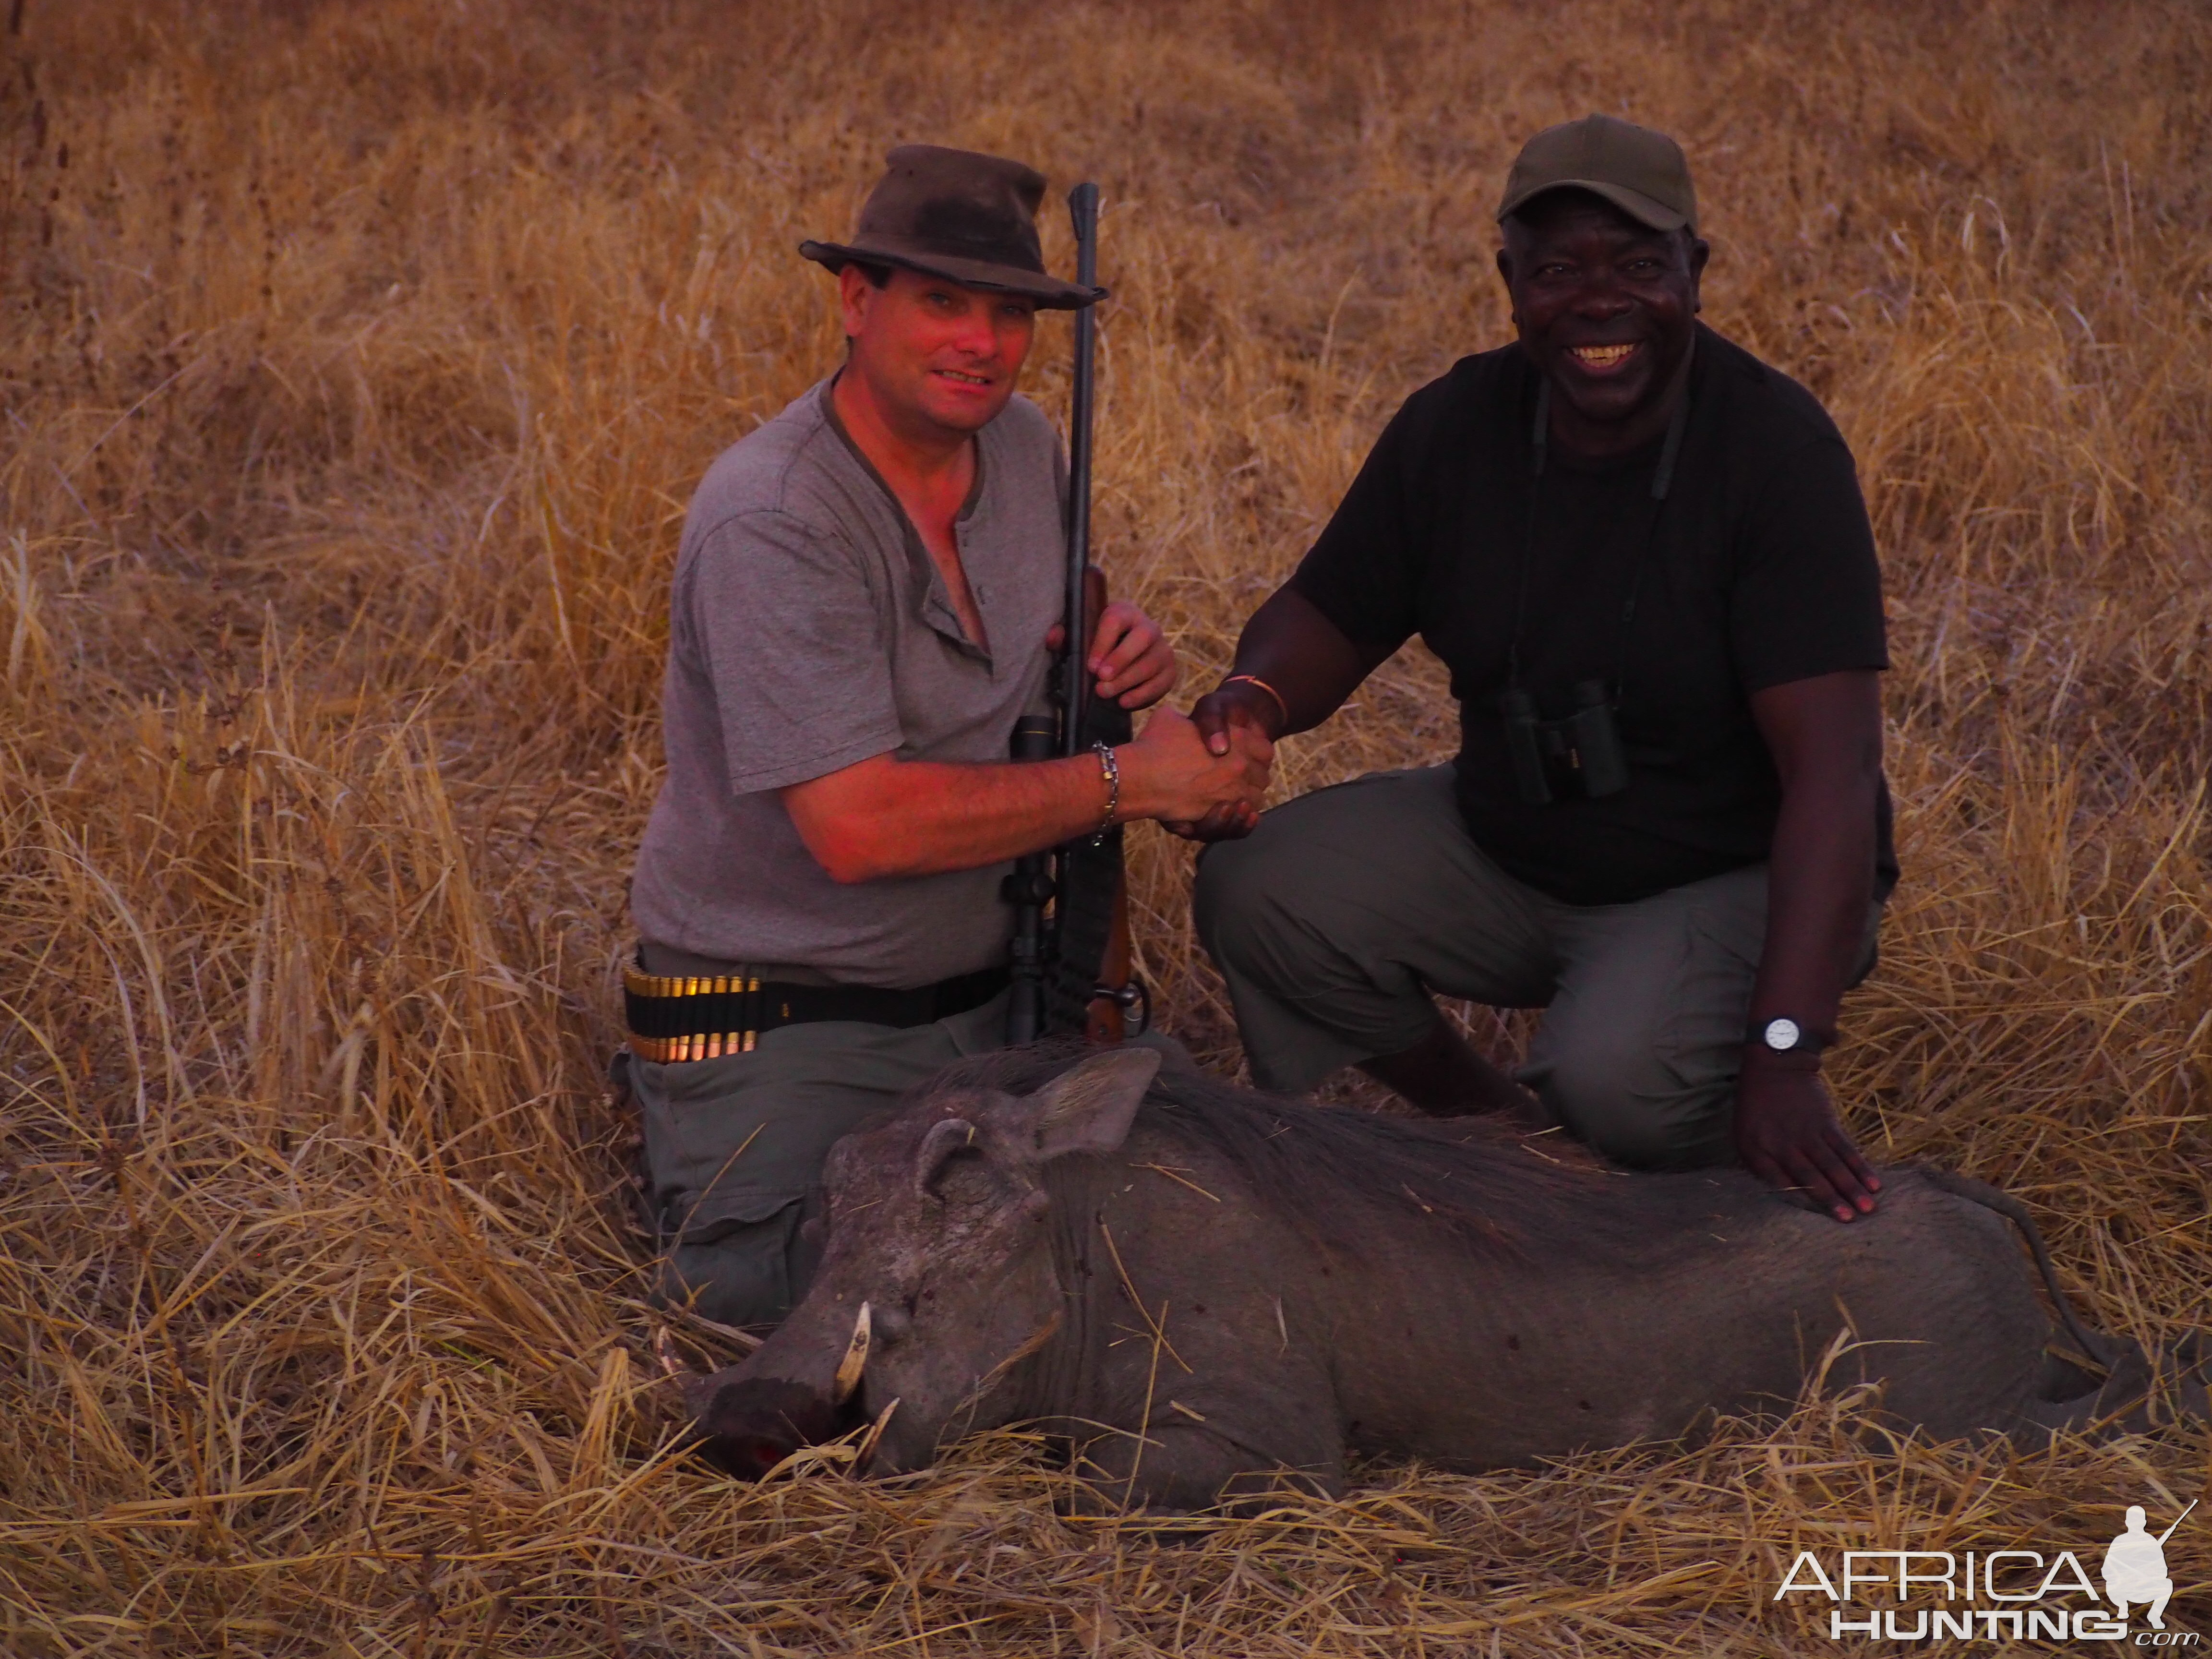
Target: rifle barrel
<point>2178,1520</point>
<point>1033,881</point>
<point>1083,210</point>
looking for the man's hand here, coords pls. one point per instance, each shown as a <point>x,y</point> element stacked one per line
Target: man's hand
<point>1169,774</point>
<point>1787,1134</point>
<point>1236,716</point>
<point>1135,664</point>
<point>1130,660</point>
<point>1239,706</point>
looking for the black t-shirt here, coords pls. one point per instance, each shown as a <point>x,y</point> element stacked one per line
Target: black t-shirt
<point>1759,570</point>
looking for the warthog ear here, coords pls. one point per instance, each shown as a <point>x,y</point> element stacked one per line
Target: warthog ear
<point>1089,1108</point>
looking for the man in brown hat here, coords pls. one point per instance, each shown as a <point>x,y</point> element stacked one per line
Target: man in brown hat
<point>1644,556</point>
<point>865,603</point>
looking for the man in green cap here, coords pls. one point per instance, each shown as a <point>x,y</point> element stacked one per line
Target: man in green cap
<point>864,602</point>
<point>1644,556</point>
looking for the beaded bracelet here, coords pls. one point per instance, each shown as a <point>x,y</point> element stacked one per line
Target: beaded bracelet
<point>1112,769</point>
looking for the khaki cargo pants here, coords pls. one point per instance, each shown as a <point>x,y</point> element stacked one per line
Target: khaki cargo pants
<point>734,1147</point>
<point>1345,909</point>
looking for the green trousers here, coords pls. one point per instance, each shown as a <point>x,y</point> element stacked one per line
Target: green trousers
<point>734,1147</point>
<point>1345,909</point>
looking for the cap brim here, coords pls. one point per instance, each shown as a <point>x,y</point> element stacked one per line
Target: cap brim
<point>1646,211</point>
<point>1050,292</point>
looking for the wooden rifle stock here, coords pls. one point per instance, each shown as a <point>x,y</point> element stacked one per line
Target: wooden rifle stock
<point>1106,1019</point>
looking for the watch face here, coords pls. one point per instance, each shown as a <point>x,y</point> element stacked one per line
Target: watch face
<point>1782,1034</point>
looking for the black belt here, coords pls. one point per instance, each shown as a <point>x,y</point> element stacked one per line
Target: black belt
<point>679,1016</point>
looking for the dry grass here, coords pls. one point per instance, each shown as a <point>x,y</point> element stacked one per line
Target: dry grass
<point>357,361</point>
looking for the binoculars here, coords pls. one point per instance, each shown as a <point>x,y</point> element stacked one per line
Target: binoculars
<point>1577,756</point>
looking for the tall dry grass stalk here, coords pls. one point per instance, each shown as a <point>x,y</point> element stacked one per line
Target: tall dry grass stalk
<point>358,360</point>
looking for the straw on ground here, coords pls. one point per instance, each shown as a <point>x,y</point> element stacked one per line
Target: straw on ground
<point>357,361</point>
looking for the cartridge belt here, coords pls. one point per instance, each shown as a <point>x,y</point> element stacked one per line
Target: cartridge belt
<point>679,1016</point>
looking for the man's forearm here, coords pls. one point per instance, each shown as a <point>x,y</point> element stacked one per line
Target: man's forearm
<point>1825,734</point>
<point>1303,657</point>
<point>1819,882</point>
<point>883,817</point>
<point>887,817</point>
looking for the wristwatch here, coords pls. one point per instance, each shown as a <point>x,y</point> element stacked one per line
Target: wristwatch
<point>1785,1035</point>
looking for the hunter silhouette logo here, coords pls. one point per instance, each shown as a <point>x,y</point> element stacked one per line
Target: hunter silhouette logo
<point>2002,1595</point>
<point>2135,1567</point>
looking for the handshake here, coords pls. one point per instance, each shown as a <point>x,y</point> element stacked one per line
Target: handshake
<point>1202,776</point>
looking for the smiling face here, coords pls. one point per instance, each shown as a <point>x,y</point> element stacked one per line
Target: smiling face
<point>1606,310</point>
<point>939,360</point>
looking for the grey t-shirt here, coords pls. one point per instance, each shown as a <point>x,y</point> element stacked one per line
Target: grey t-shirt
<point>810,631</point>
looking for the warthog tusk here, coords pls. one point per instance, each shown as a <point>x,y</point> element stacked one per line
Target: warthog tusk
<point>867,1447</point>
<point>855,1360</point>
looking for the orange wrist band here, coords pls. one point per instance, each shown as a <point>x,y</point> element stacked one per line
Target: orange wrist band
<point>1254,679</point>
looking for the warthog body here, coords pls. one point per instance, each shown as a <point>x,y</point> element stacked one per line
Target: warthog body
<point>1201,1288</point>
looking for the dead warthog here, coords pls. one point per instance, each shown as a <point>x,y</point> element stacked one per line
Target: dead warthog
<point>1200,1288</point>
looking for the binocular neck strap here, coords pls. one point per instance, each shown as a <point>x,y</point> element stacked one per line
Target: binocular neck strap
<point>1663,481</point>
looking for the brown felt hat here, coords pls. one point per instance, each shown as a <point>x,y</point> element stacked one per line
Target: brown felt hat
<point>955,214</point>
<point>1642,172</point>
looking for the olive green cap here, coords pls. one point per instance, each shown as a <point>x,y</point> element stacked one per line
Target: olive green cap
<point>1642,172</point>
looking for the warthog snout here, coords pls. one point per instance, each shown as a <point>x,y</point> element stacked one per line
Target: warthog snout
<point>754,1423</point>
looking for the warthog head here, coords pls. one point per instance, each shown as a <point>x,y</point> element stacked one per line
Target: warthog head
<point>938,1276</point>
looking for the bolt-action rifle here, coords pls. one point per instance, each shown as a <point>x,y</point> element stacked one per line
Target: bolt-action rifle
<point>1071,965</point>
